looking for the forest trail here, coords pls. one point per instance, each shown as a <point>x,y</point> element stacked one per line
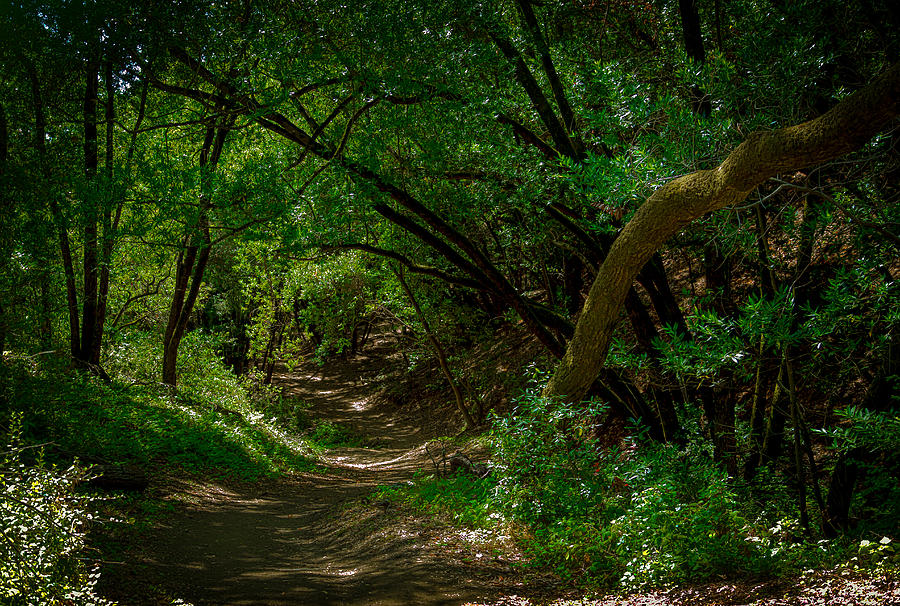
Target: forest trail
<point>319,539</point>
<point>315,539</point>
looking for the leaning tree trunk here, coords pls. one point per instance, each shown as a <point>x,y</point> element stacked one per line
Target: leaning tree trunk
<point>843,129</point>
<point>438,350</point>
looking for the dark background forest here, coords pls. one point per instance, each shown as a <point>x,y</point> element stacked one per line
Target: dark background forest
<point>643,252</point>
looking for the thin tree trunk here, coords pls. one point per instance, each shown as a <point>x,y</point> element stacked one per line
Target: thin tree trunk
<point>40,134</point>
<point>45,324</point>
<point>438,350</point>
<point>192,262</point>
<point>109,224</point>
<point>757,414</point>
<point>90,265</point>
<point>4,139</point>
<point>774,437</point>
<point>270,368</point>
<point>565,110</point>
<point>720,41</point>
<point>655,281</point>
<point>765,371</point>
<point>4,152</point>
<point>191,266</point>
<point>718,400</point>
<point>718,406</point>
<point>539,102</point>
<point>799,468</point>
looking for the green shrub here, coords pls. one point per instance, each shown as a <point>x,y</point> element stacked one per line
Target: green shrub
<point>463,497</point>
<point>545,462</point>
<point>647,515</point>
<point>328,434</point>
<point>43,522</point>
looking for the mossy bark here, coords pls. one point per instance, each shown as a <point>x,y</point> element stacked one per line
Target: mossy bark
<point>844,128</point>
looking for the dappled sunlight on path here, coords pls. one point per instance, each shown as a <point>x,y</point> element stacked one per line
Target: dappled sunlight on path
<point>317,538</point>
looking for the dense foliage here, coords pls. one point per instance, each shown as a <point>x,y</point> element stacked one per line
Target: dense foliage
<point>43,522</point>
<point>193,193</point>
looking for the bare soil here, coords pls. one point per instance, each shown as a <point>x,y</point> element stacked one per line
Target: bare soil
<point>319,538</point>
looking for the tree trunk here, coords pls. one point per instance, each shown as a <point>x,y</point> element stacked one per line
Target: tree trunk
<point>718,400</point>
<point>765,370</point>
<point>720,40</point>
<point>844,128</point>
<point>90,264</point>
<point>880,396</point>
<point>693,45</point>
<point>573,268</point>
<point>184,265</point>
<point>277,339</point>
<point>40,135</point>
<point>565,111</point>
<point>192,261</point>
<point>761,386</point>
<point>190,268</point>
<point>836,517</point>
<point>4,151</point>
<point>4,139</point>
<point>655,281</point>
<point>438,350</point>
<point>774,436</point>
<point>109,224</point>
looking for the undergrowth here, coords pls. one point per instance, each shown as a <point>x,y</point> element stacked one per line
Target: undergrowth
<point>464,499</point>
<point>213,424</point>
<point>210,424</point>
<point>640,516</point>
<point>319,434</point>
<point>43,524</point>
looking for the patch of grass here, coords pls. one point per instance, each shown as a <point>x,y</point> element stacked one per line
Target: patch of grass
<point>210,426</point>
<point>327,434</point>
<point>463,498</point>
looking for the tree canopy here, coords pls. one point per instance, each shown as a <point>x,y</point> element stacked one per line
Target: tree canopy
<point>692,207</point>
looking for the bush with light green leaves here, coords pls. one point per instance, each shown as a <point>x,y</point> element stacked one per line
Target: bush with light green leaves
<point>43,522</point>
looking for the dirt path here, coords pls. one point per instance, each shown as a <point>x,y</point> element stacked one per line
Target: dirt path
<point>314,539</point>
<point>319,540</point>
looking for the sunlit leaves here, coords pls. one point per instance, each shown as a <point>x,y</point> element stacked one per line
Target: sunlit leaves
<point>43,524</point>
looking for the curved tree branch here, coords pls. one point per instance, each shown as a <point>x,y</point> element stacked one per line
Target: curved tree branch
<point>844,128</point>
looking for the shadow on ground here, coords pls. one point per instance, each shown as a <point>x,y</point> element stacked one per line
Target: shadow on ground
<point>298,544</point>
<point>316,539</point>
